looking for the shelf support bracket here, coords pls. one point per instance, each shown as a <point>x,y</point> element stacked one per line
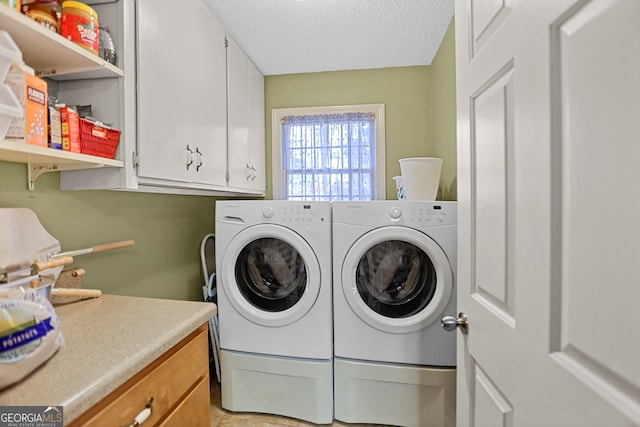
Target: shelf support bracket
<point>35,170</point>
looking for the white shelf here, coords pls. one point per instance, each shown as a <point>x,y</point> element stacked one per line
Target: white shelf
<point>50,54</point>
<point>54,57</point>
<point>42,159</point>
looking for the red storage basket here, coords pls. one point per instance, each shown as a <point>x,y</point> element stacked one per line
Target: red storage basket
<point>97,139</point>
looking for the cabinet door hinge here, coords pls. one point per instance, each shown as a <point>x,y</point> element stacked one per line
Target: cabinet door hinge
<point>136,160</point>
<point>226,177</point>
<point>226,41</point>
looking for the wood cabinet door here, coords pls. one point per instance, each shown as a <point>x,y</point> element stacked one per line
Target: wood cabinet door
<point>175,384</point>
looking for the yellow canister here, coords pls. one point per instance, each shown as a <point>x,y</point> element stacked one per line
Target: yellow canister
<point>79,23</point>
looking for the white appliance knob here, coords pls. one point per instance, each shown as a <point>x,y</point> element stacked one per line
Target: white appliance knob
<point>395,212</point>
<point>268,212</point>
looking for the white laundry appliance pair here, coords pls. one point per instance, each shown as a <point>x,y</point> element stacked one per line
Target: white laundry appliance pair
<point>333,310</point>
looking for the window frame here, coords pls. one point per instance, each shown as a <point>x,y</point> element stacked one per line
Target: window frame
<point>277,114</point>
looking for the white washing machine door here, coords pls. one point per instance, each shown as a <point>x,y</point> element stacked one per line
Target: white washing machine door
<point>397,279</point>
<point>273,275</point>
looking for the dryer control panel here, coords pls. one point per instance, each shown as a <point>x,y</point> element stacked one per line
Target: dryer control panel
<point>388,212</point>
<point>424,215</point>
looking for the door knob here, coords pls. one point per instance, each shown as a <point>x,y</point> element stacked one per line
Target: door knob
<point>450,323</point>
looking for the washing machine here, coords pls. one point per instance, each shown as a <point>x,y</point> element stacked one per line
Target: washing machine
<point>394,266</point>
<point>273,264</point>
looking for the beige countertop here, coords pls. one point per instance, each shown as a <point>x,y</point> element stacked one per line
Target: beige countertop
<point>107,341</point>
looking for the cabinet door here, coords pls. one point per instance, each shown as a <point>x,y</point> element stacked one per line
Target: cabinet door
<point>181,92</point>
<point>257,141</point>
<point>245,109</point>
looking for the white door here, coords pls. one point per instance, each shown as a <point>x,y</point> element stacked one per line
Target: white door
<point>549,212</point>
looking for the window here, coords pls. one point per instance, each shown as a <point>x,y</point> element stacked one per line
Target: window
<point>329,153</point>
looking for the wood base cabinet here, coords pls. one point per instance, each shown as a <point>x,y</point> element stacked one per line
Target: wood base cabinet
<point>175,386</point>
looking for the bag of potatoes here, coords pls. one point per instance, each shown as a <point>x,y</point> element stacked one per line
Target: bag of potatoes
<point>29,335</point>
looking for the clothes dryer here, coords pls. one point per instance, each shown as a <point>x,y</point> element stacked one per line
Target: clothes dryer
<point>273,263</point>
<point>394,269</point>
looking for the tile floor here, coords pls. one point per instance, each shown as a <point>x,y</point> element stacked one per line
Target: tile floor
<point>224,418</point>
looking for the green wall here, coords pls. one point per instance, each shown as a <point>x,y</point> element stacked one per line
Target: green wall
<point>163,263</point>
<point>443,113</point>
<point>165,260</point>
<point>404,91</point>
<point>419,119</point>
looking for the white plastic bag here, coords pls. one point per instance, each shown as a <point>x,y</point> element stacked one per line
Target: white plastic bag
<point>29,335</point>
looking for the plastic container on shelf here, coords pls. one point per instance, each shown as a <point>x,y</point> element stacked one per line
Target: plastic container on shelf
<point>400,187</point>
<point>79,24</point>
<point>9,52</point>
<point>106,46</point>
<point>44,12</point>
<point>421,176</point>
<point>10,109</point>
<point>98,139</point>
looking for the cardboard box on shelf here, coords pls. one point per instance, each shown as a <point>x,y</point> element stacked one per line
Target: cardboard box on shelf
<point>55,128</point>
<point>70,125</point>
<point>31,92</point>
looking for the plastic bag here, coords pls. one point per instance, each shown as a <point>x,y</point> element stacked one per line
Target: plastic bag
<point>29,335</point>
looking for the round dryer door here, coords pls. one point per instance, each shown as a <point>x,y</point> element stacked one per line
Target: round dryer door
<point>397,279</point>
<point>273,275</point>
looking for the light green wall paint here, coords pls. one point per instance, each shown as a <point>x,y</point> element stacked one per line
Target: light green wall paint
<point>443,113</point>
<point>163,263</point>
<point>404,91</point>
<point>417,125</point>
<point>165,260</point>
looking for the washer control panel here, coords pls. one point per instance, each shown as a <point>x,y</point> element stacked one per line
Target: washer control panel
<point>296,213</point>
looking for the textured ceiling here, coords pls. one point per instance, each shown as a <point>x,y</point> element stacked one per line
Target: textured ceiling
<point>299,36</point>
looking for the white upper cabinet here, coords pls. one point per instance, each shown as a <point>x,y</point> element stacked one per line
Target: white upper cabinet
<point>258,142</point>
<point>181,93</point>
<point>246,121</point>
<point>171,103</point>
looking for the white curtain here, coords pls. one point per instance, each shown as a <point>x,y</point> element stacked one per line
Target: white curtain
<point>329,157</point>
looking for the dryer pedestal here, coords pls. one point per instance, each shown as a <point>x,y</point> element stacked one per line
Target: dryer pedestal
<point>297,388</point>
<point>402,395</point>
